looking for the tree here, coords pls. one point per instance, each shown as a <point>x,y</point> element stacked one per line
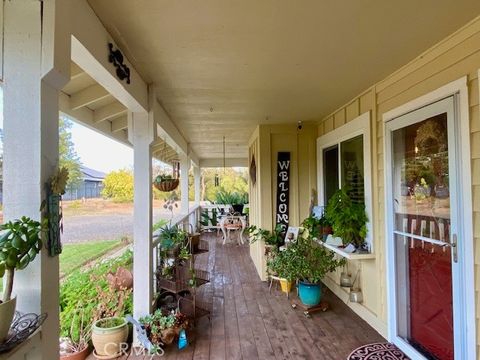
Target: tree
<point>68,157</point>
<point>231,180</point>
<point>118,186</point>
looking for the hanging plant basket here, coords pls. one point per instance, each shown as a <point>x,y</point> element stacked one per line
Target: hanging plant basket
<point>165,184</point>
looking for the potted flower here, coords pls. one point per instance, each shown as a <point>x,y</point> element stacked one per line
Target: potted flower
<point>166,182</point>
<point>308,262</point>
<point>348,218</point>
<point>20,242</point>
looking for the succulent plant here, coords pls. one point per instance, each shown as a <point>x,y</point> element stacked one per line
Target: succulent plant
<point>20,242</point>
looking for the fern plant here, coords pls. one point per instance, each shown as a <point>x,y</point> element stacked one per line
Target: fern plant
<point>348,218</point>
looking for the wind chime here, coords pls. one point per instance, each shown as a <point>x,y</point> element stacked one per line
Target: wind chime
<point>217,178</point>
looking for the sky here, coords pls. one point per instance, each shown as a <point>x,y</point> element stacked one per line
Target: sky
<point>95,150</point>
<point>98,152</point>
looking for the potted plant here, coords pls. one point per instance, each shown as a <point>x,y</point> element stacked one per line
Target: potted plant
<point>171,238</point>
<point>236,199</point>
<point>76,346</point>
<point>273,239</point>
<point>20,242</point>
<point>308,262</point>
<point>281,265</point>
<point>348,218</point>
<point>110,330</point>
<point>108,336</point>
<point>166,182</point>
<point>164,328</point>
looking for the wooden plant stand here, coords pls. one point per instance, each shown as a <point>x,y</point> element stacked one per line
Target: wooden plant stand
<point>307,310</point>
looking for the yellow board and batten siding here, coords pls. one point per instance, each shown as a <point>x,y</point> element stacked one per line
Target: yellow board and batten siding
<point>454,57</point>
<point>265,143</point>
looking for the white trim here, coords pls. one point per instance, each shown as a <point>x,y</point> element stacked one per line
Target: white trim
<point>468,343</point>
<point>358,126</point>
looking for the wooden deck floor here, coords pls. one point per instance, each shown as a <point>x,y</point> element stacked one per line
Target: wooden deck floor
<point>248,322</point>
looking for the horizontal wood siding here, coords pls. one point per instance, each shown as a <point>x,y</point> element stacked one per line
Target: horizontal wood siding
<point>456,56</point>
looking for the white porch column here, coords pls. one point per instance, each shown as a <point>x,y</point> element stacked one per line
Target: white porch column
<point>31,153</point>
<point>184,170</point>
<point>197,174</point>
<point>141,129</point>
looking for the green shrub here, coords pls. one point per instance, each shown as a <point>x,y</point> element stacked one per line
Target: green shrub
<point>79,291</point>
<point>118,186</point>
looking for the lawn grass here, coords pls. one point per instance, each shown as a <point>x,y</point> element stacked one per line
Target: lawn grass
<point>75,255</point>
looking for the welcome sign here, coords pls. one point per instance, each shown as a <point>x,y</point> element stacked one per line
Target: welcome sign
<point>283,189</point>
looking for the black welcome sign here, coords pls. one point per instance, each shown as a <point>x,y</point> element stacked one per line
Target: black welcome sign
<point>283,189</point>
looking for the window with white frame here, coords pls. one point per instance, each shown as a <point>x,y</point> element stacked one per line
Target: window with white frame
<point>344,161</point>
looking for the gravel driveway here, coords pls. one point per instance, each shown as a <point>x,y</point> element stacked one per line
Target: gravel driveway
<point>80,228</point>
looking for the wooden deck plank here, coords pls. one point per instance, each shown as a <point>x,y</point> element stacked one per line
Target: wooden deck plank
<point>247,322</point>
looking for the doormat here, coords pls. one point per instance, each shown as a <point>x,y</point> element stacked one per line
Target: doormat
<point>377,351</point>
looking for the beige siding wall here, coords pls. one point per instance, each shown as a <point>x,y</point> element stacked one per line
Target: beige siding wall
<point>454,57</point>
<point>265,143</point>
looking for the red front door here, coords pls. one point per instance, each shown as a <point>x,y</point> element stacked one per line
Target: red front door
<point>422,223</point>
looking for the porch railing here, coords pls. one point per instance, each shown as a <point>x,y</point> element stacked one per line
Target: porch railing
<point>188,222</point>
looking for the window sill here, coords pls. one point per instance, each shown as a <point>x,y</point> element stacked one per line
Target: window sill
<point>350,256</point>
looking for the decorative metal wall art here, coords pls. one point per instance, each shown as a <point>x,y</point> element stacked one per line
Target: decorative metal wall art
<point>22,327</point>
<point>116,58</point>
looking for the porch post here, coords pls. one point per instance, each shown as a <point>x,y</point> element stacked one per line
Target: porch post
<point>142,134</point>
<point>197,174</point>
<point>31,152</point>
<point>184,170</point>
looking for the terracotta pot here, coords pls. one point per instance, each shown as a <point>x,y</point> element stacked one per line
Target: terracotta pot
<point>7,311</point>
<point>122,279</point>
<point>81,355</point>
<point>109,341</point>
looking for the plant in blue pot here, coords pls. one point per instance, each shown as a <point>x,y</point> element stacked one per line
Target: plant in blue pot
<point>310,262</point>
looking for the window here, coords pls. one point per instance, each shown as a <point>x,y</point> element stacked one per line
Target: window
<point>344,162</point>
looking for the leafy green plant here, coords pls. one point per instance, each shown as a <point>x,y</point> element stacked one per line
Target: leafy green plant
<point>274,237</point>
<point>20,242</point>
<point>171,236</point>
<point>158,324</point>
<point>316,226</point>
<point>304,260</point>
<point>224,197</point>
<point>162,177</point>
<point>206,219</point>
<point>159,224</point>
<point>110,322</point>
<point>78,291</point>
<point>348,218</point>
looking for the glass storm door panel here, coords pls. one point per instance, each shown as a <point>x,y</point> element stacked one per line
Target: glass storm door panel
<point>423,209</point>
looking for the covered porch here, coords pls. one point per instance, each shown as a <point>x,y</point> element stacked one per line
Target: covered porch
<point>213,85</point>
<point>249,322</point>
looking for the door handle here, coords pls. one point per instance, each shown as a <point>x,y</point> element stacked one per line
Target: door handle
<point>454,246</point>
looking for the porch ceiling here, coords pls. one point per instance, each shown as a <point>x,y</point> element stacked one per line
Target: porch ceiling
<point>220,67</point>
<point>89,103</point>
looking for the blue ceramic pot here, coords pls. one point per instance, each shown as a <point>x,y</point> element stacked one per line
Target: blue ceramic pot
<point>310,294</point>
